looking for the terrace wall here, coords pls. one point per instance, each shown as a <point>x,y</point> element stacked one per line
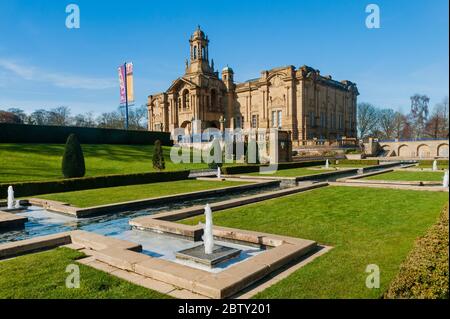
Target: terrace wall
<point>22,133</point>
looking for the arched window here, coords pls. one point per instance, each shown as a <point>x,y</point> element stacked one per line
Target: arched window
<point>213,99</point>
<point>195,52</point>
<point>186,99</point>
<point>203,53</point>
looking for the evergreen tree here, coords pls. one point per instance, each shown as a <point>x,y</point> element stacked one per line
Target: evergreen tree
<point>73,158</point>
<point>215,160</point>
<point>158,157</point>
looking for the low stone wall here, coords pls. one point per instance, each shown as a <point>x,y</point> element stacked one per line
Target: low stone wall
<point>9,221</point>
<point>65,208</point>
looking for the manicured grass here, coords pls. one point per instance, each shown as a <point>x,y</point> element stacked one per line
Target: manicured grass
<point>43,276</point>
<point>440,165</point>
<point>32,162</point>
<point>363,225</point>
<point>408,176</point>
<point>102,196</point>
<point>294,172</point>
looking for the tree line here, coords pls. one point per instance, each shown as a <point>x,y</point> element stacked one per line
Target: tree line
<point>420,122</point>
<point>383,123</point>
<point>62,116</point>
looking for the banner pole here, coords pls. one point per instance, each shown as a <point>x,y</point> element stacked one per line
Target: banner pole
<point>126,97</point>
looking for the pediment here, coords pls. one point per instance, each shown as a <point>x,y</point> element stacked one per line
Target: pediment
<point>181,82</point>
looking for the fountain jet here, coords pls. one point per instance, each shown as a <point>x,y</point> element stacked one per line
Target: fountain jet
<point>445,182</point>
<point>219,173</point>
<point>435,167</point>
<point>327,164</point>
<point>10,197</point>
<point>208,238</point>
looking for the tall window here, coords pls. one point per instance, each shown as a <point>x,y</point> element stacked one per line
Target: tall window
<point>185,99</point>
<point>238,122</point>
<point>312,119</point>
<point>213,99</point>
<point>323,119</point>
<point>279,119</point>
<point>195,52</point>
<point>255,121</point>
<point>276,119</point>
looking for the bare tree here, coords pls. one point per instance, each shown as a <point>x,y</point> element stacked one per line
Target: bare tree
<point>138,118</point>
<point>437,125</point>
<point>419,113</point>
<point>85,120</point>
<point>39,117</point>
<point>9,117</point>
<point>400,122</point>
<point>367,119</point>
<point>20,114</point>
<point>110,120</point>
<point>387,123</point>
<point>59,116</point>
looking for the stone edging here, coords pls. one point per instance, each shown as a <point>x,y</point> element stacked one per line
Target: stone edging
<point>65,208</point>
<point>10,221</point>
<point>391,186</point>
<point>347,179</point>
<point>165,221</point>
<point>126,256</point>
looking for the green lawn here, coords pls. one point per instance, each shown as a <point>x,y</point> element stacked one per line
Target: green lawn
<point>28,162</point>
<point>364,225</point>
<point>440,165</point>
<point>103,196</point>
<point>294,172</point>
<point>43,276</point>
<point>408,176</point>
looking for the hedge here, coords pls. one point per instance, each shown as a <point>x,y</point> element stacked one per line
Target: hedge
<point>243,169</point>
<point>74,184</point>
<point>355,162</point>
<point>22,133</point>
<point>424,273</point>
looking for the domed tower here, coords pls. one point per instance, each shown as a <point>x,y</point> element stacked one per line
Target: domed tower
<point>228,80</point>
<point>228,77</point>
<point>199,61</point>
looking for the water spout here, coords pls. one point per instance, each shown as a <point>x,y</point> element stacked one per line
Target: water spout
<point>435,167</point>
<point>219,173</point>
<point>208,238</point>
<point>445,182</point>
<point>10,197</point>
<point>327,164</point>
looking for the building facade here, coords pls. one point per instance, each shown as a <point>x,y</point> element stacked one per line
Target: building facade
<point>298,100</point>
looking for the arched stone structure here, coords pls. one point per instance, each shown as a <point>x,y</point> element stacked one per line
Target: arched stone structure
<point>403,150</point>
<point>423,151</point>
<point>442,150</point>
<point>415,149</point>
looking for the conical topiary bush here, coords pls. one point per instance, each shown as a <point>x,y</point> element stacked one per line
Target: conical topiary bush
<point>158,157</point>
<point>73,158</point>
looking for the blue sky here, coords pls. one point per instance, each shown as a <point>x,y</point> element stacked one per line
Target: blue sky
<point>43,64</point>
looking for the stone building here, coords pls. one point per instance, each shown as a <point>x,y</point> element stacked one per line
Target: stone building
<point>298,100</point>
